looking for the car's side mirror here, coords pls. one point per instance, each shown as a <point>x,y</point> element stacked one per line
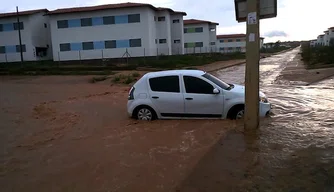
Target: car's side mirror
<point>216,91</point>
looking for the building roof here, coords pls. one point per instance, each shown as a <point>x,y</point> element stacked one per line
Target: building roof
<point>195,21</point>
<point>22,13</point>
<point>233,36</point>
<point>331,28</point>
<point>111,6</point>
<point>230,36</point>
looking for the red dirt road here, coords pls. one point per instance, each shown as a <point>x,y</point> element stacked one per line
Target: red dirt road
<point>61,133</point>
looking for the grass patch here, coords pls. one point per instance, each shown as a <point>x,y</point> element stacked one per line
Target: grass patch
<point>317,57</point>
<point>126,79</point>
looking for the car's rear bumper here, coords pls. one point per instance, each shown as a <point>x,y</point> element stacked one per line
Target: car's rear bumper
<point>264,109</point>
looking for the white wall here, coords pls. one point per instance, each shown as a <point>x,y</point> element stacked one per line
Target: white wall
<point>103,32</point>
<point>41,36</point>
<point>198,37</point>
<point>177,34</point>
<point>213,38</point>
<point>163,32</point>
<point>331,34</point>
<point>12,38</point>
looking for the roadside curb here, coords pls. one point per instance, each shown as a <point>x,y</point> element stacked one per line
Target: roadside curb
<point>318,80</point>
<point>224,67</point>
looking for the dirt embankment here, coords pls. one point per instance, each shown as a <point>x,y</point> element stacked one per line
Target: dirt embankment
<point>296,71</point>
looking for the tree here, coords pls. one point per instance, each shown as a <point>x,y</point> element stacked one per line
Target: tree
<point>277,44</point>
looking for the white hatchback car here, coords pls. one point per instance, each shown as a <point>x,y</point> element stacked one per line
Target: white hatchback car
<point>176,94</point>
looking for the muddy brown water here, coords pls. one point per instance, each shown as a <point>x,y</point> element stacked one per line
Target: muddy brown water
<point>293,150</point>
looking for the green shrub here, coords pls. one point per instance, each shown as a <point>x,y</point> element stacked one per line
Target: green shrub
<point>135,74</point>
<point>129,80</point>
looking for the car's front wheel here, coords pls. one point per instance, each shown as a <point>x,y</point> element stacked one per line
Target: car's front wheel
<point>237,112</point>
<point>145,113</point>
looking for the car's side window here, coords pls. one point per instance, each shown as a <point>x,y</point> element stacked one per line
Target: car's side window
<point>197,85</point>
<point>165,84</point>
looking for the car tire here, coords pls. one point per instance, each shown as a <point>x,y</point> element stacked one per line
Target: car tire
<point>237,112</point>
<point>144,113</point>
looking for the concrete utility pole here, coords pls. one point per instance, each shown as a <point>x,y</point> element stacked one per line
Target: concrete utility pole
<point>252,66</point>
<point>19,29</point>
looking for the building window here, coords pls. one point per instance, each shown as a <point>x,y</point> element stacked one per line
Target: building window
<point>108,20</point>
<point>176,21</point>
<point>45,25</point>
<point>97,21</point>
<point>237,40</point>
<point>87,45</point>
<point>99,45</point>
<point>74,23</point>
<point>238,48</point>
<point>222,41</point>
<point>11,49</point>
<point>221,49</point>
<point>230,40</point>
<point>16,26</point>
<point>213,43</point>
<point>199,29</point>
<point>134,18</point>
<point>1,28</point>
<point>193,30</point>
<point>122,43</point>
<point>177,41</point>
<point>192,45</point>
<point>230,48</point>
<point>161,18</point>
<point>120,19</point>
<point>19,50</point>
<point>199,44</point>
<point>212,29</point>
<point>162,41</point>
<point>62,24</point>
<point>135,42</point>
<point>76,46</point>
<point>8,27</point>
<point>110,44</point>
<point>86,22</point>
<point>2,49</point>
<point>65,47</point>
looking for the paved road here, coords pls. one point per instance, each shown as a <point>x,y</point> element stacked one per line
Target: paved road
<point>292,151</point>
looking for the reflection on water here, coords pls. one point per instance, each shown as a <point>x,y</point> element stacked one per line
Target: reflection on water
<point>296,145</point>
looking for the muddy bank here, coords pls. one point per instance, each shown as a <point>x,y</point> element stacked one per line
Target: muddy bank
<point>295,70</point>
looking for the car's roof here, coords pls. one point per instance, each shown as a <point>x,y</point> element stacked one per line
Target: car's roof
<point>176,72</point>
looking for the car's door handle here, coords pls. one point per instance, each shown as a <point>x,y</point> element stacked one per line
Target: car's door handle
<point>155,97</point>
<point>189,98</point>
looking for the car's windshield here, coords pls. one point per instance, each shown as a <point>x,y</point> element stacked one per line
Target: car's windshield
<point>216,81</point>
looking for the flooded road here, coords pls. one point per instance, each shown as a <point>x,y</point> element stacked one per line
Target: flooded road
<point>294,149</point>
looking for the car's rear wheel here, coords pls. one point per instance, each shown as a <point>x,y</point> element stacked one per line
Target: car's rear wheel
<point>145,113</point>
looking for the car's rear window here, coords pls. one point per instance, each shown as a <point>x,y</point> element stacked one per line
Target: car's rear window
<point>165,84</point>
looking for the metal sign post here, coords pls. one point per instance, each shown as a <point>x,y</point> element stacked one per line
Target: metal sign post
<point>251,11</point>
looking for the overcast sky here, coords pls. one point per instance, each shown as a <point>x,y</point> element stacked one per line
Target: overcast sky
<point>296,19</point>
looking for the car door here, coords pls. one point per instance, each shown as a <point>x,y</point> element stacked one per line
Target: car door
<point>200,101</point>
<point>166,96</point>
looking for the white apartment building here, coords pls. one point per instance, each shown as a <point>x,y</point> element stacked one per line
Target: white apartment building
<point>233,43</point>
<point>330,36</point>
<point>35,36</point>
<point>326,38</point>
<point>313,43</point>
<point>320,40</point>
<point>200,36</point>
<point>115,30</point>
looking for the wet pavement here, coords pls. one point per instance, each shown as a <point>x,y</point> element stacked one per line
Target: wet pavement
<point>293,150</point>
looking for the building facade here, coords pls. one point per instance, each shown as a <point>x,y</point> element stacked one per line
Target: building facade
<point>313,43</point>
<point>331,36</point>
<point>320,40</point>
<point>199,36</point>
<point>35,36</point>
<point>114,31</point>
<point>233,43</point>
